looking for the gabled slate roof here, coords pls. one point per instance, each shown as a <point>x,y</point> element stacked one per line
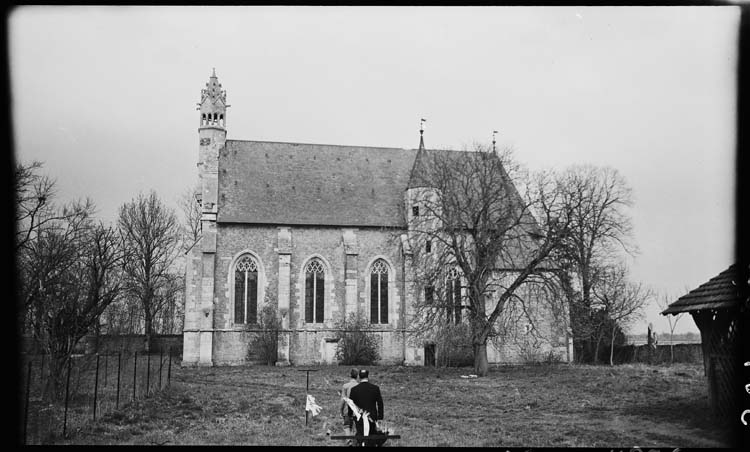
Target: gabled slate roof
<point>312,184</point>
<point>723,291</point>
<point>262,182</point>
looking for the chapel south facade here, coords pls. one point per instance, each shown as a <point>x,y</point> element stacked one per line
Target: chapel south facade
<point>318,231</point>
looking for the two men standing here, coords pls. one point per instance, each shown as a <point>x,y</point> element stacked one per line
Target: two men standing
<point>366,396</point>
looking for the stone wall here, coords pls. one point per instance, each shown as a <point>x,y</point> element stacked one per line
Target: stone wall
<point>192,310</point>
<point>125,343</point>
<point>529,332</point>
<point>661,354</point>
<point>347,255</point>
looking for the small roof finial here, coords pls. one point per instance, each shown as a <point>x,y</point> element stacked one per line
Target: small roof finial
<point>421,133</point>
<point>213,72</point>
<point>493,140</point>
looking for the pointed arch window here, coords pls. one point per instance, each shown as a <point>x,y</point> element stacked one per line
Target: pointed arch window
<point>314,292</point>
<point>453,296</point>
<point>246,290</point>
<point>379,292</point>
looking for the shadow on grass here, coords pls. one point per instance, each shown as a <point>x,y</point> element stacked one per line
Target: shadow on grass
<point>691,413</point>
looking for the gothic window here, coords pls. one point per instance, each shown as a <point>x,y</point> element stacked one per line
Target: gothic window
<point>415,211</point>
<point>314,292</point>
<point>453,296</point>
<point>428,246</point>
<point>379,292</point>
<point>246,291</point>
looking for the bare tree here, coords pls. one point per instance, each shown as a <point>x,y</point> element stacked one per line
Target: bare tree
<point>151,236</point>
<point>620,300</point>
<point>126,315</point>
<point>35,211</point>
<point>78,277</point>
<point>599,228</point>
<point>191,217</point>
<point>33,193</point>
<point>35,214</point>
<point>167,319</point>
<point>664,300</point>
<point>476,229</point>
<point>122,317</point>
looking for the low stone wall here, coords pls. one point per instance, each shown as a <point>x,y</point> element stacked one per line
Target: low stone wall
<point>133,342</point>
<point>126,343</point>
<point>661,354</point>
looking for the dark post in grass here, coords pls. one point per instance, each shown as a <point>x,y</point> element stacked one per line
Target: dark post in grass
<point>148,370</point>
<point>119,361</point>
<point>135,367</point>
<point>307,388</point>
<point>26,406</point>
<point>41,372</point>
<point>161,363</point>
<point>106,360</point>
<point>96,384</point>
<point>67,387</point>
<point>169,369</point>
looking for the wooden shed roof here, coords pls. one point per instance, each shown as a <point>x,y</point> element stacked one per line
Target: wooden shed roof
<point>723,291</point>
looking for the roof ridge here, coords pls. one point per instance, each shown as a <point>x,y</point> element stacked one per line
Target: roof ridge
<point>323,144</point>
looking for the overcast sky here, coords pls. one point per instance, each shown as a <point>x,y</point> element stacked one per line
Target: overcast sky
<point>106,96</point>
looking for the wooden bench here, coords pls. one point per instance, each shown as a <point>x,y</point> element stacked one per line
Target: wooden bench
<point>360,438</point>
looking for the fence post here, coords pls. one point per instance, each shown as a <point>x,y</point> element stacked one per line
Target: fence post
<point>67,386</point>
<point>41,373</point>
<point>26,407</point>
<point>135,367</point>
<point>148,370</point>
<point>119,361</point>
<point>169,369</point>
<point>96,384</point>
<point>106,360</point>
<point>161,363</point>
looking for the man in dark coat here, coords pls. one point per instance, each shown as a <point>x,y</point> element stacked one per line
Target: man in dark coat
<point>367,397</point>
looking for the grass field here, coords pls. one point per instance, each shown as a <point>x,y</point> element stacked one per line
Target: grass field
<point>531,406</point>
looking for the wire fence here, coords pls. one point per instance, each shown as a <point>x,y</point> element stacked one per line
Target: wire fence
<point>93,386</point>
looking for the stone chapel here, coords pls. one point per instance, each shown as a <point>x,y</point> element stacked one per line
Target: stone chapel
<point>309,226</point>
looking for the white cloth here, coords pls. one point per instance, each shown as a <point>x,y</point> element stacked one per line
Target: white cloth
<point>366,425</point>
<point>355,409</point>
<point>312,406</point>
<point>358,412</point>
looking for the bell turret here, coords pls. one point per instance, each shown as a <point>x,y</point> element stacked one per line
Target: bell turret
<point>213,104</point>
